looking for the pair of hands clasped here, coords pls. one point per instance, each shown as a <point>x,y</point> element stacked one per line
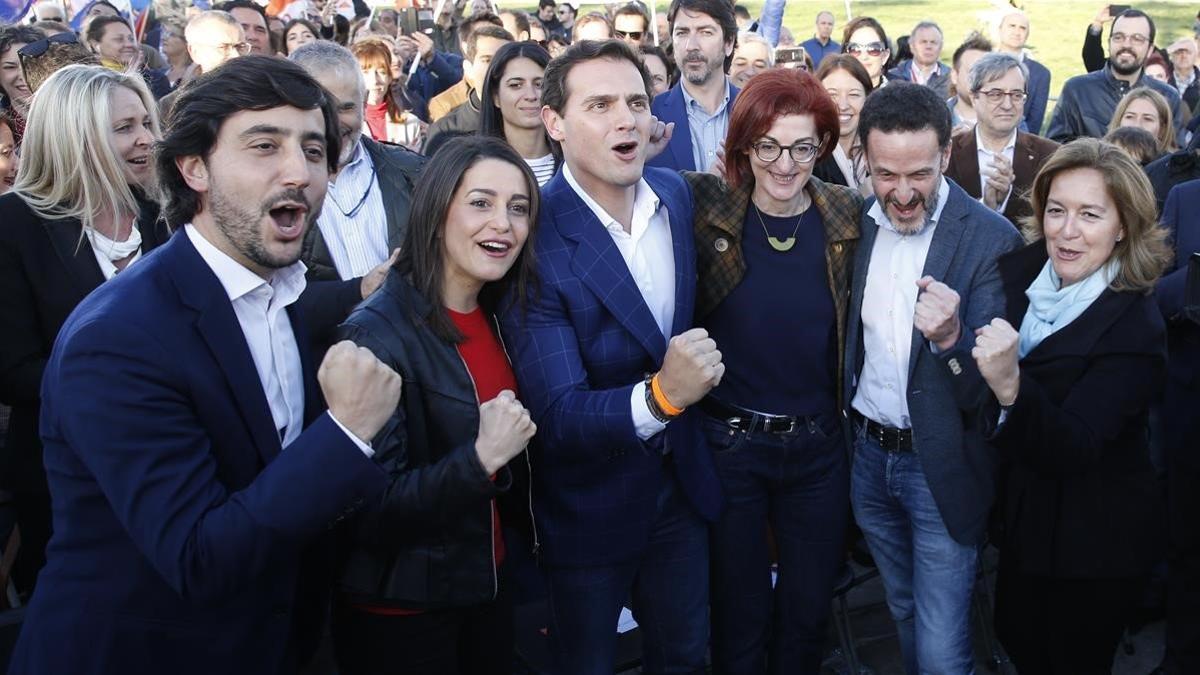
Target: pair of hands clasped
<point>363,392</point>
<point>995,350</point>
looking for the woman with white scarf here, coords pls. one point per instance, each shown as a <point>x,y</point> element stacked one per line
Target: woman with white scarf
<point>1063,384</point>
<point>76,215</point>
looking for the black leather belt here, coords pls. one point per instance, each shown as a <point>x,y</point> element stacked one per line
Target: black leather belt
<point>742,419</point>
<point>890,439</point>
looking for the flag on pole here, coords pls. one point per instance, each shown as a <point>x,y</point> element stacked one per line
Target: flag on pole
<point>12,11</point>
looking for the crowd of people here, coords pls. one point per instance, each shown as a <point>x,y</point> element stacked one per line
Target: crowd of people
<point>373,329</point>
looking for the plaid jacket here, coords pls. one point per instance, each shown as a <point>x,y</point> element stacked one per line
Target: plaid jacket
<point>719,213</point>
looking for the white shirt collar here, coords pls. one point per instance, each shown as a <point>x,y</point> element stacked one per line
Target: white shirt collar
<point>877,213</point>
<point>1010,145</point>
<point>237,279</point>
<point>645,203</point>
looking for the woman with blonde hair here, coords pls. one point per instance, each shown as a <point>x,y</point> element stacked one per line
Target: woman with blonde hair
<point>1143,107</point>
<point>1064,382</point>
<point>77,214</point>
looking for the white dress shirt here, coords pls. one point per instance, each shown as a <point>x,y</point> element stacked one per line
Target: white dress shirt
<point>647,251</point>
<point>984,157</point>
<point>261,310</point>
<point>889,302</point>
<point>357,240</point>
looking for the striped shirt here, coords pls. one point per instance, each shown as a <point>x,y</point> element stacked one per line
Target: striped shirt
<point>543,168</point>
<point>353,221</point>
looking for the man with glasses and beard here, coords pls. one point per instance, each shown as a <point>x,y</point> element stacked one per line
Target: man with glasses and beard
<point>703,34</point>
<point>1088,101</point>
<point>921,480</point>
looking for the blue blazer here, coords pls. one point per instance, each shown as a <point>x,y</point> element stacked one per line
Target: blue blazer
<point>180,527</point>
<point>1181,219</point>
<point>959,466</point>
<point>1039,96</point>
<point>670,106</point>
<point>578,347</point>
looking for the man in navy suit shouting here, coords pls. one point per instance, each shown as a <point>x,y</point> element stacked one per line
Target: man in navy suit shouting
<point>622,480</point>
<point>190,462</point>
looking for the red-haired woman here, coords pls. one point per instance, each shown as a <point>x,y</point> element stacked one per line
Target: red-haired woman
<point>775,242</point>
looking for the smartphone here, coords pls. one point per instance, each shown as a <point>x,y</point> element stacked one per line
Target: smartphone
<point>789,55</point>
<point>1117,10</point>
<point>415,20</point>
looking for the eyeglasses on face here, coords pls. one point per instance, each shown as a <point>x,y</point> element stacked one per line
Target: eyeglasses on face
<point>242,48</point>
<point>629,34</point>
<point>995,96</point>
<point>36,49</point>
<point>871,48</point>
<point>801,152</point>
<point>1132,38</point>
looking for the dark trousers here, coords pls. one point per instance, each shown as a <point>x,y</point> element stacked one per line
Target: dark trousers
<point>1180,428</point>
<point>469,641</point>
<point>33,517</point>
<point>669,587</point>
<point>1062,626</point>
<point>799,484</point>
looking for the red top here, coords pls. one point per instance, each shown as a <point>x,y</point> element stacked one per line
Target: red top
<point>489,369</point>
<point>377,119</point>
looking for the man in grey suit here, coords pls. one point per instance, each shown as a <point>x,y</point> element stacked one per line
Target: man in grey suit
<point>925,278</point>
<point>365,216</point>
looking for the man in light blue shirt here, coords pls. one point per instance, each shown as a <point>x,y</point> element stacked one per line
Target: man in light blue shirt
<point>821,44</point>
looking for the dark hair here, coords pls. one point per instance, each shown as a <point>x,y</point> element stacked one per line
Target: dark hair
<point>57,55</point>
<point>97,26</point>
<point>520,18</point>
<point>1139,143</point>
<point>491,122</point>
<point>471,46</point>
<point>975,41</point>
<point>851,65</point>
<point>470,23</point>
<point>106,3</point>
<point>741,11</point>
<point>1156,59</point>
<point>546,3</point>
<point>651,50</point>
<point>421,257</point>
<point>6,120</point>
<point>905,107</point>
<point>767,97</point>
<point>50,25</point>
<point>19,34</point>
<point>633,9</point>
<point>439,140</point>
<point>554,85</point>
<point>251,82</point>
<point>312,28</point>
<point>1134,14</point>
<point>246,4</point>
<point>720,10</point>
<point>868,22</point>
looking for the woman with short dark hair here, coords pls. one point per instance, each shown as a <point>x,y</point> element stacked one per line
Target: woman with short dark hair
<point>422,588</point>
<point>774,241</point>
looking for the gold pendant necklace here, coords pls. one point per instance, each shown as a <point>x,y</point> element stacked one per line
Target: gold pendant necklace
<point>784,245</point>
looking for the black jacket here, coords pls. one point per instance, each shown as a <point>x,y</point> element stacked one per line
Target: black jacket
<point>427,542</point>
<point>46,269</point>
<point>1087,103</point>
<point>1178,167</point>
<point>1078,495</point>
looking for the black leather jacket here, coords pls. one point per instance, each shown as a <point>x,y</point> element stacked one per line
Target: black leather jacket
<point>428,542</point>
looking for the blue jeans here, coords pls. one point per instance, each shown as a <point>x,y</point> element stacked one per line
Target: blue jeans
<point>669,585</point>
<point>799,483</point>
<point>928,577</point>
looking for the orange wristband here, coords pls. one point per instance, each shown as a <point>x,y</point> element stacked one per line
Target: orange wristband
<point>661,399</point>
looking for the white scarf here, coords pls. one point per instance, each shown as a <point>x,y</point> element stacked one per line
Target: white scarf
<point>1051,306</point>
<point>115,250</point>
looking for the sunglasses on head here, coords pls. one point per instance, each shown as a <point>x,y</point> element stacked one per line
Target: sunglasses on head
<point>630,34</point>
<point>871,48</point>
<point>36,49</point>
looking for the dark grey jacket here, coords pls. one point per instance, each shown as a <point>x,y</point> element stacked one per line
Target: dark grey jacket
<point>1087,103</point>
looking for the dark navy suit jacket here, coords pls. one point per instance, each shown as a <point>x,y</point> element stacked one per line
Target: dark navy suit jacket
<point>180,526</point>
<point>1039,96</point>
<point>578,348</point>
<point>670,106</point>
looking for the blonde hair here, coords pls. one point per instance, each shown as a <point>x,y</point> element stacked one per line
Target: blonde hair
<point>1143,252</point>
<point>1166,127</point>
<point>69,167</point>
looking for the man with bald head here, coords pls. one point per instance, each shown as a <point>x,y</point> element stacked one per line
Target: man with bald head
<point>366,206</point>
<point>213,38</point>
<point>1012,35</point>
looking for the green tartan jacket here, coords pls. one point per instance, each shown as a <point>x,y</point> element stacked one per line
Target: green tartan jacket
<point>719,213</point>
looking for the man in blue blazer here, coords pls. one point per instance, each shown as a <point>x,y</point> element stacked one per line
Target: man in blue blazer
<point>187,455</point>
<point>703,33</point>
<point>925,277</point>
<point>1180,428</point>
<point>622,482</point>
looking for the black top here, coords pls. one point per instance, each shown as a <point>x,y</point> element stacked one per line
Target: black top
<point>776,329</point>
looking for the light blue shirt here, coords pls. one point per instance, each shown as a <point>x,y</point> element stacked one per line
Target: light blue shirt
<point>353,220</point>
<point>708,130</point>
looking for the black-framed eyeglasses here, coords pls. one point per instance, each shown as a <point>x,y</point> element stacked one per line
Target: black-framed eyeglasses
<point>871,48</point>
<point>801,152</point>
<point>1132,38</point>
<point>36,49</point>
<point>995,96</point>
<point>629,34</point>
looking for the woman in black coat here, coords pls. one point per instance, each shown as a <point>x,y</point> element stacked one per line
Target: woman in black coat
<point>1070,374</point>
<point>77,214</point>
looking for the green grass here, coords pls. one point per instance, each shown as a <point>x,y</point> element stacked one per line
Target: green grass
<point>1056,35</point>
